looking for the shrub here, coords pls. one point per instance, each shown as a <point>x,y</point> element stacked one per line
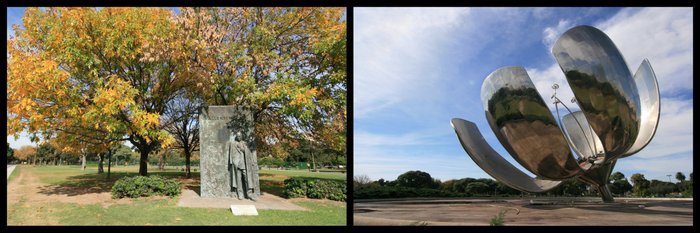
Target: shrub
<point>498,219</point>
<point>144,186</point>
<point>401,192</point>
<point>315,188</point>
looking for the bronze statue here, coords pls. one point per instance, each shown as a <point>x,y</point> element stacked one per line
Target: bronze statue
<point>239,166</point>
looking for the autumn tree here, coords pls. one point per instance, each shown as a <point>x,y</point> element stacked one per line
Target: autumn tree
<point>90,77</point>
<point>287,65</point>
<point>25,152</point>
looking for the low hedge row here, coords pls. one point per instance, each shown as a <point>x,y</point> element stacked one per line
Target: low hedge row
<point>315,188</point>
<point>399,192</point>
<point>144,186</point>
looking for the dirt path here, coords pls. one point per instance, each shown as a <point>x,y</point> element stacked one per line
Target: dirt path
<point>28,189</point>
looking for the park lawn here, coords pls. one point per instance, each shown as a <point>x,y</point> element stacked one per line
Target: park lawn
<point>161,211</point>
<point>146,211</point>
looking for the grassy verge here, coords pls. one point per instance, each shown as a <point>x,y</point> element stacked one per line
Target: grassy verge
<point>159,211</point>
<point>165,212</point>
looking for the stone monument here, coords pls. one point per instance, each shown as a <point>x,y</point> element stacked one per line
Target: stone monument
<point>228,162</point>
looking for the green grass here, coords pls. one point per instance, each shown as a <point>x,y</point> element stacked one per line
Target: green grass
<point>302,174</point>
<point>149,211</point>
<point>164,212</point>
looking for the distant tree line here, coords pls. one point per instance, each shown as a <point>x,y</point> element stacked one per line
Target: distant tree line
<point>421,184</point>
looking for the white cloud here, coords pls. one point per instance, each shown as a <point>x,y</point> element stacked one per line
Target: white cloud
<point>396,45</point>
<point>363,138</point>
<point>664,36</point>
<point>674,134</point>
<point>551,34</point>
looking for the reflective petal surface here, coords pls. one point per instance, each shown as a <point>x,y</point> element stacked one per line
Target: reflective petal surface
<point>584,142</point>
<point>525,126</point>
<point>651,106</point>
<point>602,85</point>
<point>493,163</point>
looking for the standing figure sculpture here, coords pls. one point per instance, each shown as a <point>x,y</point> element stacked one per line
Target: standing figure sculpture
<point>238,164</point>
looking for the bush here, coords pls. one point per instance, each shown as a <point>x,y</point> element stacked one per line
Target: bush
<point>144,186</point>
<point>315,188</point>
<point>372,192</point>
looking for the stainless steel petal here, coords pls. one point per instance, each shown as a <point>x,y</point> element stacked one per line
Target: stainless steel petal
<point>584,142</point>
<point>525,126</point>
<point>602,85</point>
<point>651,106</point>
<point>493,163</point>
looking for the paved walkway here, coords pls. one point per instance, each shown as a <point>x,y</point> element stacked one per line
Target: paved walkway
<point>10,168</point>
<point>267,201</point>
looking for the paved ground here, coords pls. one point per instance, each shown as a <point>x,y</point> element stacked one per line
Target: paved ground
<point>579,211</point>
<point>267,201</point>
<point>10,168</point>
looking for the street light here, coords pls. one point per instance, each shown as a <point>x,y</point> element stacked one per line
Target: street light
<point>669,179</point>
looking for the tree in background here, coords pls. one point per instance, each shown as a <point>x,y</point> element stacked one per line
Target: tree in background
<point>618,184</point>
<point>25,152</point>
<point>680,177</point>
<point>640,185</point>
<point>181,122</point>
<point>10,154</point>
<point>416,179</point>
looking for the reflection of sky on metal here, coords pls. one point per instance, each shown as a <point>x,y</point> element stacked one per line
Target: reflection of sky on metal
<point>650,101</point>
<point>524,126</point>
<point>493,163</point>
<point>603,86</point>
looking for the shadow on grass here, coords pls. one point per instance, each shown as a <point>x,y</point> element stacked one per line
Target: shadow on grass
<point>98,183</point>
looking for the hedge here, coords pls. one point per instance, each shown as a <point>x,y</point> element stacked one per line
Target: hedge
<point>144,186</point>
<point>315,188</point>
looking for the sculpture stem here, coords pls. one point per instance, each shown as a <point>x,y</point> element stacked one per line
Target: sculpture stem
<point>605,193</point>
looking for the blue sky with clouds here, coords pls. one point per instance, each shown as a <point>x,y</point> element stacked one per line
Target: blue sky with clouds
<point>416,68</point>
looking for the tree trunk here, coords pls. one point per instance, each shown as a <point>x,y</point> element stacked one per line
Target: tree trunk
<point>100,166</point>
<point>160,162</point>
<point>109,163</point>
<point>83,159</point>
<point>143,166</point>
<point>187,164</point>
<point>60,161</point>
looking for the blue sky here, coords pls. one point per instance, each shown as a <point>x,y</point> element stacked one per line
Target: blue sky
<point>416,68</point>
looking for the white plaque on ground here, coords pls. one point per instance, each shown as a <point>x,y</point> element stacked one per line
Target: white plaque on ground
<point>244,210</point>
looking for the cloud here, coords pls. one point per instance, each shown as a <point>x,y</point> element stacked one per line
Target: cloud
<point>664,36</point>
<point>363,138</point>
<point>394,46</point>
<point>674,134</point>
<point>551,34</point>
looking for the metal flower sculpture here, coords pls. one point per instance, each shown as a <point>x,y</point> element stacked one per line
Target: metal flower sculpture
<point>619,115</point>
